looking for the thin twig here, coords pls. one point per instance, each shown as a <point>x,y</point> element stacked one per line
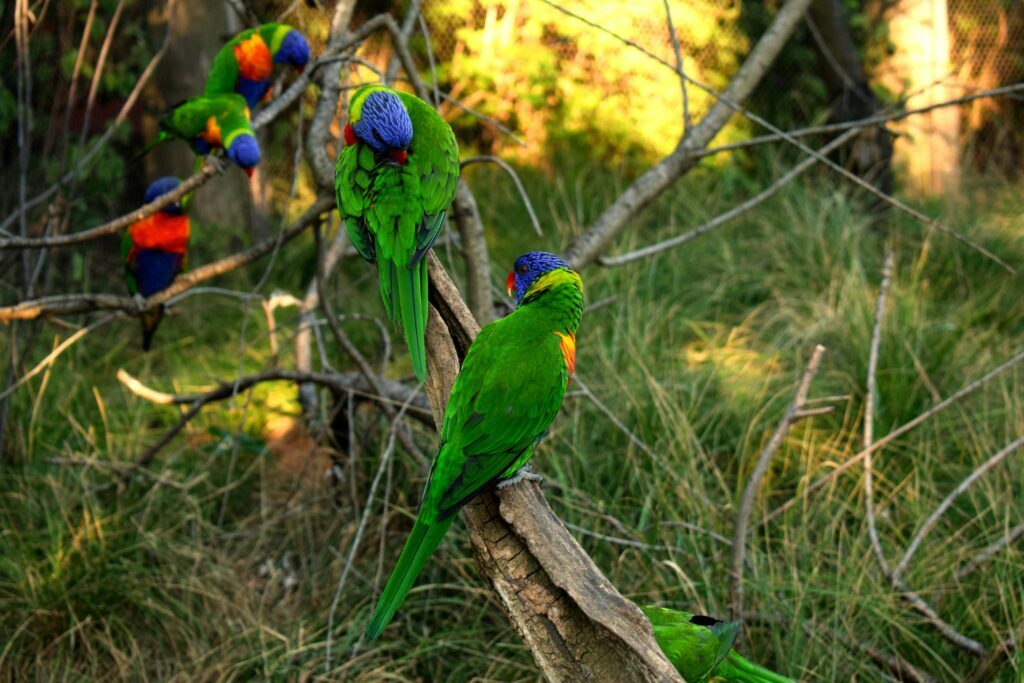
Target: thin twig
<point>989,551</point>
<point>739,536</point>
<point>503,165</point>
<point>760,197</point>
<point>687,123</point>
<point>52,356</point>
<point>101,143</point>
<point>898,432</point>
<point>869,410</point>
<point>385,459</point>
<point>874,120</point>
<point>947,502</point>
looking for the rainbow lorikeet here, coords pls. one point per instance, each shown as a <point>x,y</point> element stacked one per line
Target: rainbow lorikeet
<point>394,180</point>
<point>507,393</point>
<point>245,65</point>
<point>153,251</point>
<point>700,648</point>
<point>208,123</point>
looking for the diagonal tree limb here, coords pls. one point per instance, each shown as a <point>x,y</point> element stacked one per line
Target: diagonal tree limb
<point>588,246</point>
<point>66,304</point>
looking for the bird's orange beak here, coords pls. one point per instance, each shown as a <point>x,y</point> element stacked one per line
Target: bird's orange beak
<point>510,283</point>
<point>248,171</point>
<point>399,155</point>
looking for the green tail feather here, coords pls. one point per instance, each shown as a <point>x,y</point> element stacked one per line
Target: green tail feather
<point>150,321</point>
<point>736,669</point>
<point>404,292</point>
<point>422,541</point>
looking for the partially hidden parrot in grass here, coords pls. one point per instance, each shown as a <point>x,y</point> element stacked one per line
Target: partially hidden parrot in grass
<point>505,397</point>
<point>209,123</point>
<point>245,65</point>
<point>153,250</point>
<point>700,648</point>
<point>394,180</point>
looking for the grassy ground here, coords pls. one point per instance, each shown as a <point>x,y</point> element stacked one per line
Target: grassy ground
<point>226,568</point>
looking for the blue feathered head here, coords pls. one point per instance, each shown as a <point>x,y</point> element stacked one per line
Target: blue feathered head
<point>245,151</point>
<point>528,268</point>
<point>294,50</point>
<point>159,188</point>
<point>383,123</point>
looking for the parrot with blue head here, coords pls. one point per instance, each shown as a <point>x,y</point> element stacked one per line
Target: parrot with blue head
<point>245,65</point>
<point>210,123</point>
<point>153,251</point>
<point>394,180</point>
<point>504,398</point>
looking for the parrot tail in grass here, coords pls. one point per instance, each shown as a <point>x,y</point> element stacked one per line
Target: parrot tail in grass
<point>503,400</point>
<point>394,181</point>
<point>153,251</point>
<point>700,648</point>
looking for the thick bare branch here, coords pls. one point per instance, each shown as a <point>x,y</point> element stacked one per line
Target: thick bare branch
<point>589,245</point>
<point>66,304</point>
<point>783,181</point>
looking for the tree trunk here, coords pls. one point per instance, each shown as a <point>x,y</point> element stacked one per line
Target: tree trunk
<point>929,144</point>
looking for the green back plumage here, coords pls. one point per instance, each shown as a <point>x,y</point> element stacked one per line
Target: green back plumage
<point>700,648</point>
<point>191,118</point>
<point>505,397</point>
<point>394,213</point>
<point>224,70</point>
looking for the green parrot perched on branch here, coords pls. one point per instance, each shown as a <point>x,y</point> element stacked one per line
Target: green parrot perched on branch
<point>700,648</point>
<point>208,123</point>
<point>246,63</point>
<point>395,179</point>
<point>507,393</point>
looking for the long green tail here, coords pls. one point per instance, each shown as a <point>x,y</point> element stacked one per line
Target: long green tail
<point>422,541</point>
<point>404,291</point>
<point>735,669</point>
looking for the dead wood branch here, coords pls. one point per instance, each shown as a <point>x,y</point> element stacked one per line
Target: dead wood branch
<point>989,551</point>
<point>732,213</point>
<point>898,432</point>
<point>947,502</point>
<point>592,243</point>
<point>66,304</point>
<point>739,535</point>
<point>569,615</point>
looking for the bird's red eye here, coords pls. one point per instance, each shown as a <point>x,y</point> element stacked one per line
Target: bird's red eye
<point>522,268</point>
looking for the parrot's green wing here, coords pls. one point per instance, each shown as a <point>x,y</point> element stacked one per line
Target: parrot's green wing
<point>224,70</point>
<point>352,180</point>
<point>500,407</point>
<point>434,155</point>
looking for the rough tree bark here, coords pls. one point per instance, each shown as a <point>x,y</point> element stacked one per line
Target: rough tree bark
<point>569,615</point>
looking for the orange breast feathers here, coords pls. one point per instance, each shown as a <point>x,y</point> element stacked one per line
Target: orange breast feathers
<point>568,351</point>
<point>212,135</point>
<point>161,231</point>
<point>254,59</point>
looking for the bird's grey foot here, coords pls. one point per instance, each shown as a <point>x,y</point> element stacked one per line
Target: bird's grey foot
<point>140,301</point>
<point>216,162</point>
<point>525,473</point>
